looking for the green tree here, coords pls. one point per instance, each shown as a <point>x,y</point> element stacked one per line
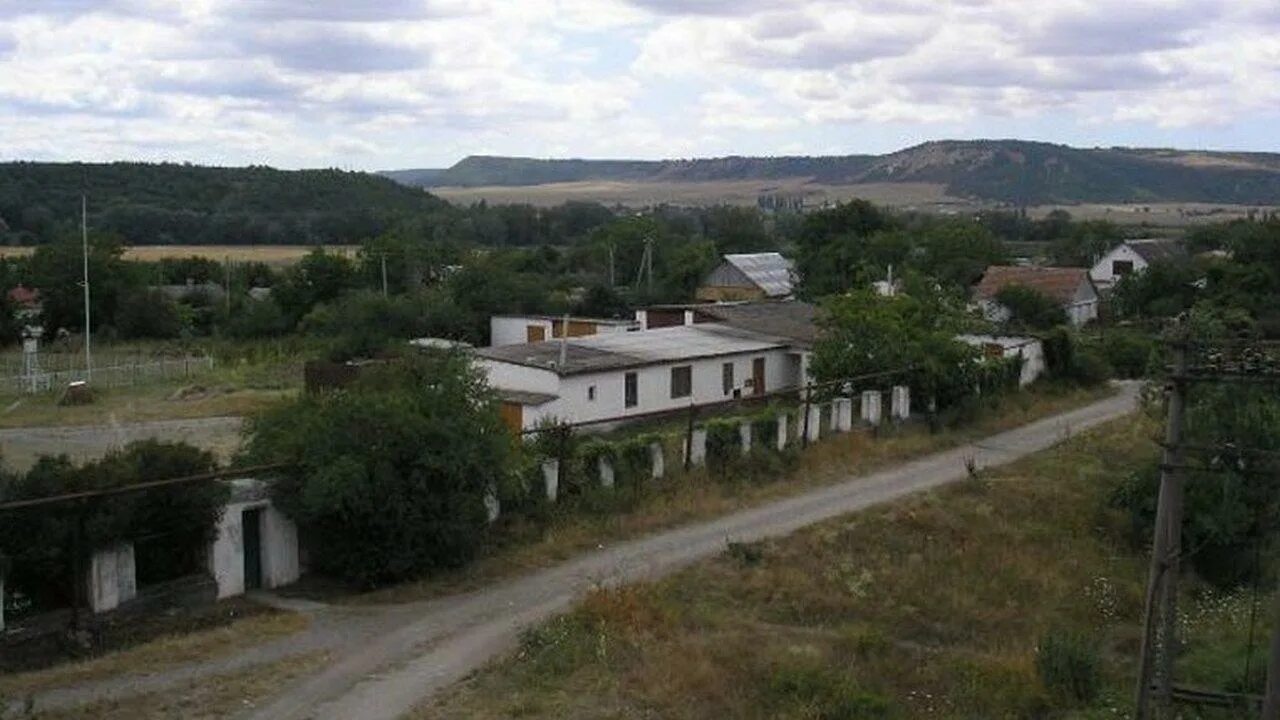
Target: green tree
<point>389,476</point>
<point>57,271</point>
<point>1030,309</point>
<point>831,246</point>
<point>319,277</point>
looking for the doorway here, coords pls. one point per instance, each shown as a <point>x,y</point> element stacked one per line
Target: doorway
<point>251,522</point>
<point>757,376</point>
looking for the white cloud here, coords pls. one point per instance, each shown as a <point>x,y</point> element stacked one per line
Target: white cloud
<point>411,82</point>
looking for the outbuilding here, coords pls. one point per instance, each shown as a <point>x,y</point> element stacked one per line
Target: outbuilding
<point>749,276</point>
<point>517,329</point>
<point>1132,257</point>
<point>612,377</point>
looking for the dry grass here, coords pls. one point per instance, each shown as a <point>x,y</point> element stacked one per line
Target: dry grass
<point>162,654</point>
<point>217,697</point>
<point>682,498</point>
<point>930,607</point>
<point>271,254</point>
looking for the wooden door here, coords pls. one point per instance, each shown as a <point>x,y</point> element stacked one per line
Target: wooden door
<point>535,333</point>
<point>757,375</point>
<point>512,415</point>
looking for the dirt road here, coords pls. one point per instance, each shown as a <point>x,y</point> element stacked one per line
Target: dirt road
<point>385,676</point>
<point>21,446</point>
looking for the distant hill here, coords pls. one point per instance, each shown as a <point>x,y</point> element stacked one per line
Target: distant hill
<point>170,203</point>
<point>1012,171</point>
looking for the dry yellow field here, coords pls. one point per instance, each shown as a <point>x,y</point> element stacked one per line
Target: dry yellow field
<point>270,254</point>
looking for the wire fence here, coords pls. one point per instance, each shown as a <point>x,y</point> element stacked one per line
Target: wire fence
<point>115,372</point>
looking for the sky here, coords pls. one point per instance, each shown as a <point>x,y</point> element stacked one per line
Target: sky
<point>422,83</point>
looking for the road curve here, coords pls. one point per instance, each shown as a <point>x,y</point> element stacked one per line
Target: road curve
<point>387,676</point>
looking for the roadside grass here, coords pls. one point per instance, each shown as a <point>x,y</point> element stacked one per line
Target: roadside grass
<point>929,607</point>
<point>160,654</point>
<point>583,523</point>
<point>220,696</point>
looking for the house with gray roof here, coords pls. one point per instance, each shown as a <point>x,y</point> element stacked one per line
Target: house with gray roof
<point>749,276</point>
<point>1133,256</point>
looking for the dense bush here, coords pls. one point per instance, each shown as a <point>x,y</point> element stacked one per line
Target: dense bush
<point>169,526</point>
<point>1129,354</point>
<point>388,478</point>
<point>724,443</point>
<point>1069,666</point>
<point>1030,309</point>
<point>1067,360</point>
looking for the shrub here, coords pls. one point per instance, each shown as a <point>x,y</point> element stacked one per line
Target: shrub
<point>633,462</point>
<point>724,443</point>
<point>1029,308</point>
<point>388,477</point>
<point>764,430</point>
<point>1128,353</point>
<point>1068,665</point>
<point>824,693</point>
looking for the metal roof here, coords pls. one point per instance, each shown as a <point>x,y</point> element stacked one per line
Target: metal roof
<point>769,271</point>
<point>595,353</point>
<point>1155,249</point>
<point>791,319</point>
<point>572,318</point>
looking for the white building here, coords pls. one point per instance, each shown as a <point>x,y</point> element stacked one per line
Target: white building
<point>1132,256</point>
<point>1030,349</point>
<point>517,329</point>
<point>1071,288</point>
<point>614,376</point>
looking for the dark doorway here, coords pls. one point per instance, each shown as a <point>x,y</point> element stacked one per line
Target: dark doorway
<point>251,521</point>
<point>757,376</point>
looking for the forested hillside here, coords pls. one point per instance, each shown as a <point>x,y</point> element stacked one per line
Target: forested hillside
<point>1012,171</point>
<point>188,204</point>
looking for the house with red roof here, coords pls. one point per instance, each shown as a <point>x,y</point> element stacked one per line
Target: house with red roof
<point>1070,287</point>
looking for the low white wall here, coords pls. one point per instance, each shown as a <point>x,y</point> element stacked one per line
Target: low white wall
<point>279,546</point>
<point>111,578</point>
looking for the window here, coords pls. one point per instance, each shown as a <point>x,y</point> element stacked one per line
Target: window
<point>726,377</point>
<point>681,381</point>
<point>591,393</point>
<point>631,390</point>
<point>1121,267</point>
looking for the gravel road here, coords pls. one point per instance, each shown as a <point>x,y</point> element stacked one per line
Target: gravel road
<point>388,675</point>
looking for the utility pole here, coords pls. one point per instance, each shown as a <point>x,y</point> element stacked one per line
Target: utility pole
<point>84,239</point>
<point>384,274</point>
<point>1162,585</point>
<point>226,274</point>
<point>1271,701</point>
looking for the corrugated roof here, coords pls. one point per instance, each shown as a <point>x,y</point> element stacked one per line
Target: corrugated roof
<point>771,272</point>
<point>594,353</point>
<point>572,318</point>
<point>791,319</point>
<point>1156,249</point>
<point>1059,283</point>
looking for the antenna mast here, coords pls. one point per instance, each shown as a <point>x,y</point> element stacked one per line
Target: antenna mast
<point>84,239</point>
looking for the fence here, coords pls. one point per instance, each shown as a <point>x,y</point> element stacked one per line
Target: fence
<point>119,372</point>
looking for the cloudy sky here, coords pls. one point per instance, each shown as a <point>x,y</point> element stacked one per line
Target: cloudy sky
<point>422,83</point>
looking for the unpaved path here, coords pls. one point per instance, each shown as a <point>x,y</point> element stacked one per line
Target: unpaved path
<point>21,446</point>
<point>388,659</point>
<point>453,636</point>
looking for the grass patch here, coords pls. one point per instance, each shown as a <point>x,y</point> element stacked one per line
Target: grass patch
<point>681,498</point>
<point>160,654</point>
<point>932,606</point>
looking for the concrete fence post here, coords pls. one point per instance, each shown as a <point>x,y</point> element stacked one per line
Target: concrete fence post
<point>698,447</point>
<point>744,436</point>
<point>492,506</point>
<point>900,405</point>
<point>605,468</point>
<point>844,415</point>
<point>657,466</point>
<point>112,577</point>
<point>551,478</point>
<point>783,428</point>
<point>813,428</point>
<point>871,407</point>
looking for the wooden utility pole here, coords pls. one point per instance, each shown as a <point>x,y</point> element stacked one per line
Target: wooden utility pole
<point>1271,701</point>
<point>1162,585</point>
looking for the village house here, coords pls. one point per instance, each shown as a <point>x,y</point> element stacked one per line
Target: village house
<point>996,347</point>
<point>749,276</point>
<point>1130,257</point>
<point>723,352</point>
<point>1069,287</point>
<point>516,329</point>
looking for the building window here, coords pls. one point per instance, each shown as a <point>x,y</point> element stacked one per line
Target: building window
<point>726,377</point>
<point>591,393</point>
<point>681,381</point>
<point>631,390</point>
<point>1121,267</point>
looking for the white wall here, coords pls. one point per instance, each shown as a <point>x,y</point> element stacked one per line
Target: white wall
<point>1031,350</point>
<point>279,545</point>
<point>653,386</point>
<point>1102,272</point>
<point>510,376</point>
<point>513,330</point>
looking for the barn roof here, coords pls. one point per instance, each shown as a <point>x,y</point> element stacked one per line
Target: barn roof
<point>1059,283</point>
<point>768,271</point>
<point>613,351</point>
<point>1156,249</point>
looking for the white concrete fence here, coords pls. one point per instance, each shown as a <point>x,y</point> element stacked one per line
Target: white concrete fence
<point>693,453</point>
<point>110,578</point>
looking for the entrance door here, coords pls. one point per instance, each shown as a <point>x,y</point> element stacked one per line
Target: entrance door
<point>757,375</point>
<point>251,521</point>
